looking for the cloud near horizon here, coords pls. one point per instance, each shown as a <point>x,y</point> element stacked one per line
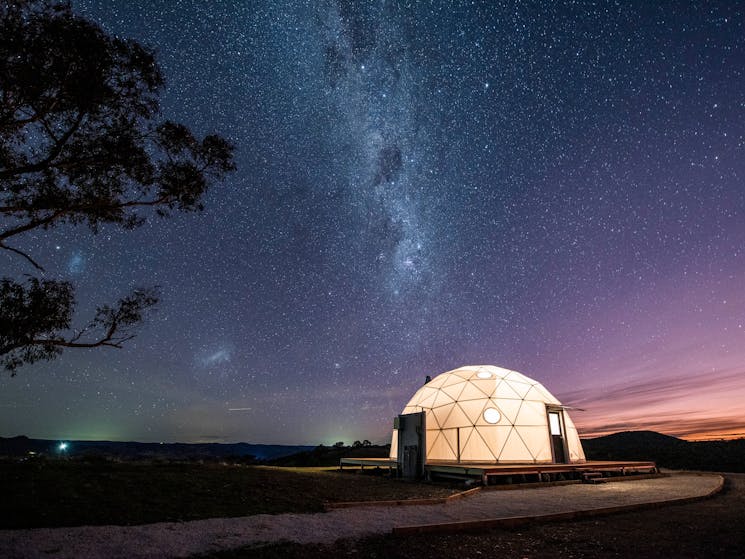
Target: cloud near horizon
<point>704,405</point>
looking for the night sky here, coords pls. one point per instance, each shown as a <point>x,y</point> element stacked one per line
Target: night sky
<point>555,188</point>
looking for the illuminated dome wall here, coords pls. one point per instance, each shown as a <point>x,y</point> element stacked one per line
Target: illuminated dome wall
<point>489,414</point>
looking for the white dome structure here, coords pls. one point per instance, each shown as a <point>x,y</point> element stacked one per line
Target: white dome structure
<point>486,414</point>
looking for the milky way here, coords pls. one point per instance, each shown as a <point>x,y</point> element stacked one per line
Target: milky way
<point>555,188</point>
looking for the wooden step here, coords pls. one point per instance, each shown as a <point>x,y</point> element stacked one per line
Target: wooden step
<point>592,477</point>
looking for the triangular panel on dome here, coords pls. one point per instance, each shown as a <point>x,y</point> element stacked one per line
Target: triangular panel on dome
<point>452,379</point>
<point>514,449</point>
<point>441,449</point>
<point>499,437</point>
<point>537,440</point>
<point>437,381</point>
<point>493,436</point>
<point>473,409</point>
<point>458,417</point>
<point>427,397</point>
<point>518,377</point>
<point>476,449</point>
<point>442,399</point>
<point>472,392</point>
<point>574,456</point>
<point>465,434</point>
<point>509,408</point>
<point>454,390</point>
<point>532,413</point>
<point>464,372</point>
<point>440,416</point>
<point>486,386</point>
<point>504,390</point>
<point>451,437</point>
<point>521,388</point>
<point>537,392</point>
<point>432,436</point>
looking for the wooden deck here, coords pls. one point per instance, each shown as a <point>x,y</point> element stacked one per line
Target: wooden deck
<point>368,462</point>
<point>491,473</point>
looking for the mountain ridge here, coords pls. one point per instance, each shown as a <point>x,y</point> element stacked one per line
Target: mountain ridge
<point>22,445</point>
<point>667,451</point>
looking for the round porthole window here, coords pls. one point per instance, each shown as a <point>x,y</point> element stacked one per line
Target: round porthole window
<point>491,415</point>
<point>484,374</point>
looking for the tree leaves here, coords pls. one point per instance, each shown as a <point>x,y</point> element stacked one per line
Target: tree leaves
<point>36,310</point>
<point>80,143</point>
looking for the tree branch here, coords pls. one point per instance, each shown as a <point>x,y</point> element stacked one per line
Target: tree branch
<point>82,208</point>
<point>33,224</point>
<point>26,256</point>
<point>106,341</point>
<point>55,151</point>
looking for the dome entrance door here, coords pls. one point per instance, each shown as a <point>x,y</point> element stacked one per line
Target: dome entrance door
<point>411,444</point>
<point>556,432</point>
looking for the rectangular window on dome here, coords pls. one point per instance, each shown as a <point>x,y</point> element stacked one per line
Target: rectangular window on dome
<point>554,423</point>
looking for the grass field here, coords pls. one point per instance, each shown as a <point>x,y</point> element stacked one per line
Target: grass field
<point>71,493</point>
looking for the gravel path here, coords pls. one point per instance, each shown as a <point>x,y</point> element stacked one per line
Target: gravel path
<point>173,539</point>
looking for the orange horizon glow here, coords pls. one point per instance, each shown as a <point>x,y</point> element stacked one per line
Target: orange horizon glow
<point>694,437</point>
<point>690,406</point>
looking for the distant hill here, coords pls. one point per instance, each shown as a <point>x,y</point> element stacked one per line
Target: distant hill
<point>668,452</point>
<point>632,445</point>
<point>21,446</point>
<point>330,455</point>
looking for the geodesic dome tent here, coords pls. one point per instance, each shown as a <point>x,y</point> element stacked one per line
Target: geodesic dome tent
<point>483,413</point>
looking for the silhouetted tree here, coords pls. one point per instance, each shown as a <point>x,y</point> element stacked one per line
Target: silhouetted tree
<point>81,143</point>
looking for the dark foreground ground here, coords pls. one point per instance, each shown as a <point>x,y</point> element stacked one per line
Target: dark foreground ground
<point>713,528</point>
<point>51,493</point>
<point>60,493</point>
